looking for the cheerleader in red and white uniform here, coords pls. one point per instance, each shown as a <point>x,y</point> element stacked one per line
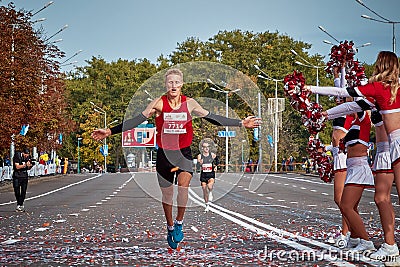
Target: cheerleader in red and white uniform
<point>359,176</point>
<point>383,87</point>
<point>341,125</point>
<point>383,171</point>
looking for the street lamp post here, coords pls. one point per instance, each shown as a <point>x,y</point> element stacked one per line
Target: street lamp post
<point>105,148</point>
<point>266,77</point>
<point>356,49</point>
<point>60,30</point>
<point>382,20</point>
<point>79,158</point>
<point>74,55</point>
<point>70,63</point>
<point>242,167</point>
<point>44,7</point>
<point>309,65</point>
<point>226,92</point>
<point>114,121</point>
<point>325,31</point>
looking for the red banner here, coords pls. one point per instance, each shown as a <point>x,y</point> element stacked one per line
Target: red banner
<point>139,137</point>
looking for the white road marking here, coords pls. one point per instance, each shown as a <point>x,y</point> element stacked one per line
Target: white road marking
<point>274,233</point>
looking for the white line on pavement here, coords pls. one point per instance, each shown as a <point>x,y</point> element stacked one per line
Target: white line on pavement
<point>276,233</point>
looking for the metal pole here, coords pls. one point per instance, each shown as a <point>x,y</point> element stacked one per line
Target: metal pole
<point>12,150</point>
<point>276,127</point>
<point>226,135</point>
<point>317,95</point>
<point>242,165</point>
<point>394,39</point>
<point>259,165</point>
<point>105,143</point>
<point>79,169</point>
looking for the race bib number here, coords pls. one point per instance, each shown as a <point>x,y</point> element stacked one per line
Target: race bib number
<point>206,167</point>
<point>174,123</point>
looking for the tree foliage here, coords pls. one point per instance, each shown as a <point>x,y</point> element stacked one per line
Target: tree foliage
<point>35,92</point>
<point>31,85</point>
<point>112,85</point>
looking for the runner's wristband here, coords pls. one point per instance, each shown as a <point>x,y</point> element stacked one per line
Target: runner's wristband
<point>128,124</point>
<point>221,120</point>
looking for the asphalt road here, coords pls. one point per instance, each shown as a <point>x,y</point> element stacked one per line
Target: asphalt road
<point>117,219</point>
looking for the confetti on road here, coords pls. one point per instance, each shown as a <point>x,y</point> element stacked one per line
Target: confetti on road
<point>41,229</point>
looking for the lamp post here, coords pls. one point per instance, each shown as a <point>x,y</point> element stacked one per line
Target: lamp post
<point>79,158</point>
<point>243,141</point>
<point>60,30</point>
<point>363,45</point>
<point>70,63</point>
<point>45,6</point>
<point>74,55</point>
<point>325,31</point>
<point>266,77</point>
<point>105,148</point>
<point>330,43</point>
<point>309,65</point>
<point>114,121</point>
<point>55,41</point>
<point>382,20</point>
<point>226,92</point>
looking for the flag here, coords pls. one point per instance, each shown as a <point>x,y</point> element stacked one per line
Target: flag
<point>255,134</point>
<point>270,141</point>
<point>24,129</point>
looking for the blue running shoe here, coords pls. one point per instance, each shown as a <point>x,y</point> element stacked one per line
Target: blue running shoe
<point>177,233</point>
<point>170,240</point>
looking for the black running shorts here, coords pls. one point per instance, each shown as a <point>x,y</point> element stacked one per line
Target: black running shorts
<point>168,159</point>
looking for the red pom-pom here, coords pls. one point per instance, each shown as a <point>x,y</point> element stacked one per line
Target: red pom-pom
<point>316,151</point>
<point>312,119</point>
<point>343,54</point>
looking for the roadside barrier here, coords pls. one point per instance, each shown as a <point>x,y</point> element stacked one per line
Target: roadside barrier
<point>37,170</point>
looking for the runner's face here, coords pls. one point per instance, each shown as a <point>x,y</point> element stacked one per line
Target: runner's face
<point>174,84</point>
<point>206,147</point>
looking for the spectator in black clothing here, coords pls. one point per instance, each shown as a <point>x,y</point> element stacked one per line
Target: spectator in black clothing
<point>22,162</point>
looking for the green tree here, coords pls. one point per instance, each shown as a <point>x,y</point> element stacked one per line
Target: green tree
<point>112,85</point>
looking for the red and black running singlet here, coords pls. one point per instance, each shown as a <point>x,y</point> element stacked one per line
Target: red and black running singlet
<point>174,126</point>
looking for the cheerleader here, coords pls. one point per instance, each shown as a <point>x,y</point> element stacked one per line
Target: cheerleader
<point>383,172</point>
<point>341,126</point>
<point>382,87</point>
<point>359,176</point>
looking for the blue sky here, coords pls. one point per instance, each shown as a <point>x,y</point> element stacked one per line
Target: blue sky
<point>133,29</point>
